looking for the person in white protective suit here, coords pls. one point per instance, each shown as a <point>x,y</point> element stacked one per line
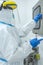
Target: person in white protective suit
<point>12,46</point>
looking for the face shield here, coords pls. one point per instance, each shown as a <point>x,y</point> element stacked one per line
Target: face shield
<point>9,12</point>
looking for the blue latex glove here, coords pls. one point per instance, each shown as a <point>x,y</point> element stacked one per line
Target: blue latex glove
<point>37,17</point>
<point>35,42</point>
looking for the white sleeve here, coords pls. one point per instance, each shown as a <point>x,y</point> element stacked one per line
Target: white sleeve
<point>23,31</point>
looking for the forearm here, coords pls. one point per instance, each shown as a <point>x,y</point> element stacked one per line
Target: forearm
<point>27,28</point>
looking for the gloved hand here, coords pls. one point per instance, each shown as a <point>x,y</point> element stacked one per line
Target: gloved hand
<point>35,42</point>
<point>37,17</point>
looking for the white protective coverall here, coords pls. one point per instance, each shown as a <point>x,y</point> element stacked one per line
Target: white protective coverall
<point>12,46</point>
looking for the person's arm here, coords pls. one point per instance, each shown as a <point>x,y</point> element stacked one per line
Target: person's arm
<point>25,30</point>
